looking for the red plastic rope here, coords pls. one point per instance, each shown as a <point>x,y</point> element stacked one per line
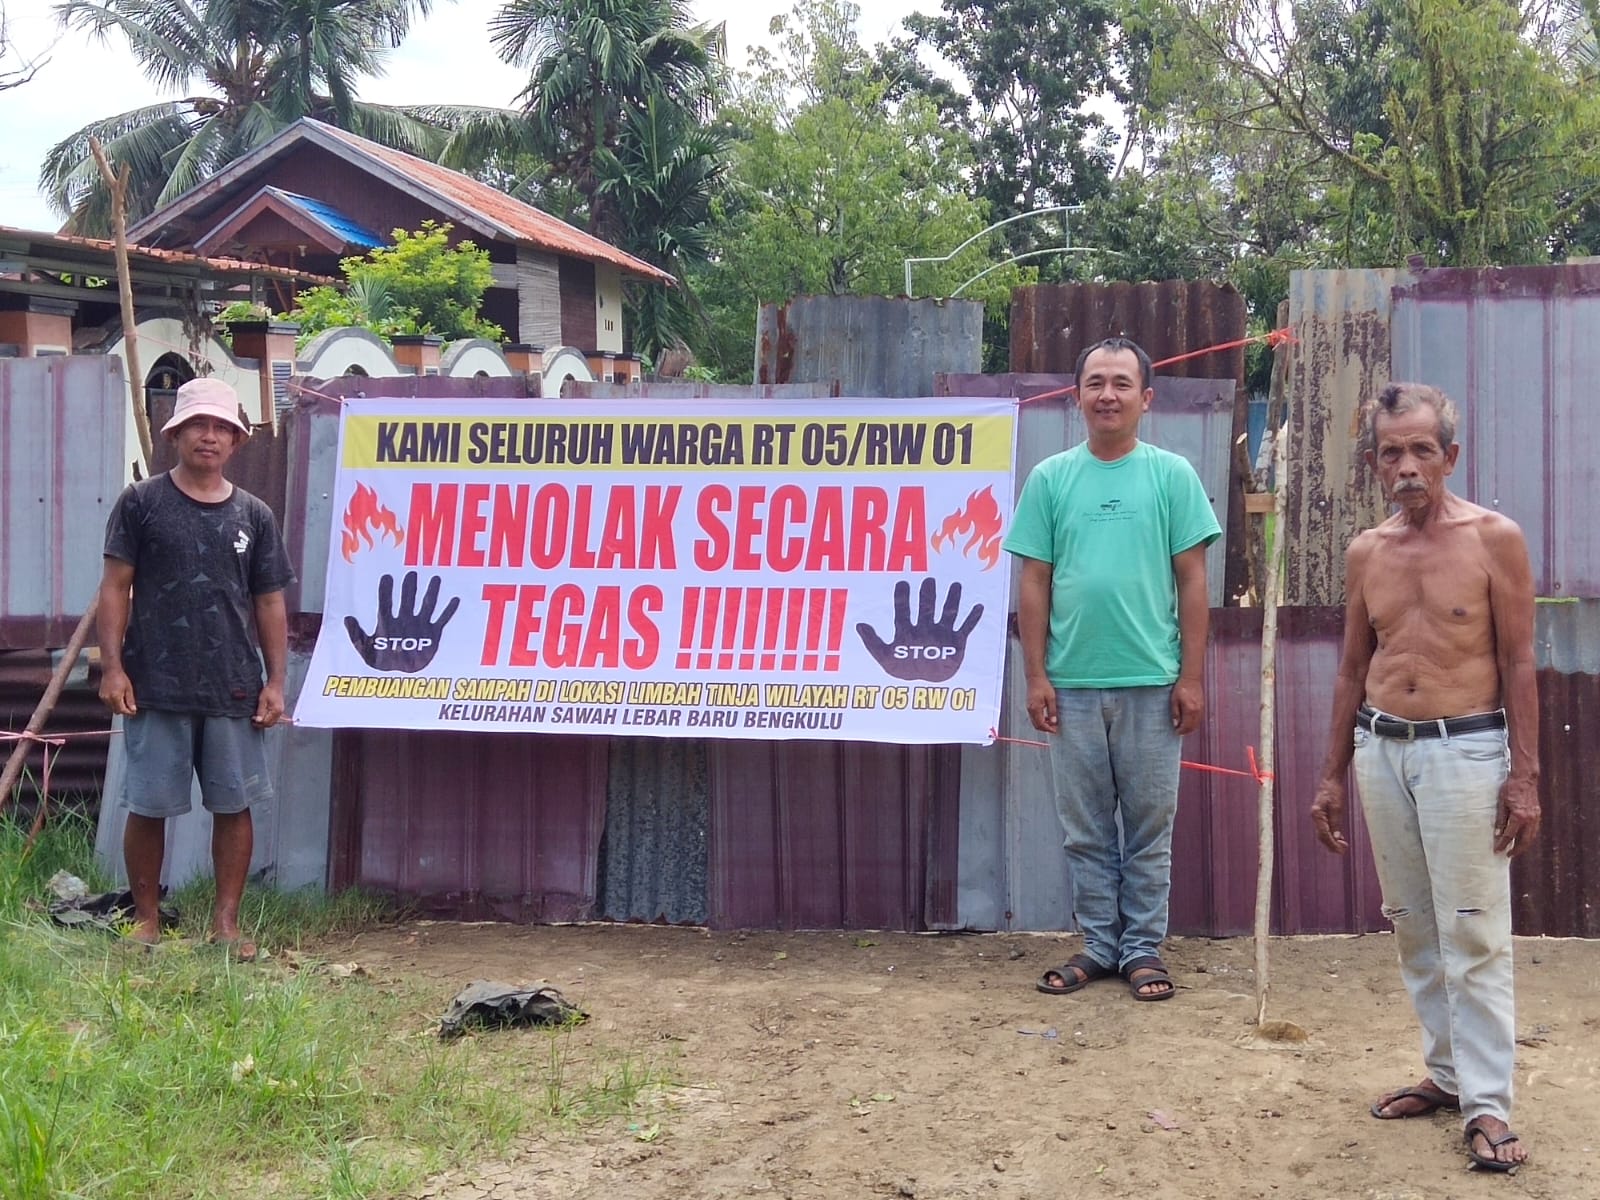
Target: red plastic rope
<point>1276,337</point>
<point>1255,772</point>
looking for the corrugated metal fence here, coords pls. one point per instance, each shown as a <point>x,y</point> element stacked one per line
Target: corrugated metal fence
<point>1051,323</point>
<point>842,835</point>
<point>1518,350</point>
<point>868,345</point>
<point>61,468</point>
<point>61,445</point>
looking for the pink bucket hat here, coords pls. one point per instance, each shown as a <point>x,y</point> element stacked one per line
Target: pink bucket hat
<point>207,397</point>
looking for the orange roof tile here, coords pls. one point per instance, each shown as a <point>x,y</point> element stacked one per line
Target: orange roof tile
<point>520,221</point>
<point>136,253</point>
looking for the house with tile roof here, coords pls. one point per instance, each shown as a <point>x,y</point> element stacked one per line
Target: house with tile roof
<point>314,194</point>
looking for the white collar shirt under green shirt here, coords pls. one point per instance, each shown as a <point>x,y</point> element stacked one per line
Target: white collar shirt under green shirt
<point>1110,531</point>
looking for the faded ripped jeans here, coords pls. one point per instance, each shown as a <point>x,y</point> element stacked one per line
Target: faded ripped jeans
<point>1430,807</point>
<point>1116,753</point>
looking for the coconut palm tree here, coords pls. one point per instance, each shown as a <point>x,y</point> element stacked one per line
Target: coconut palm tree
<point>660,180</point>
<point>591,64</point>
<point>263,64</point>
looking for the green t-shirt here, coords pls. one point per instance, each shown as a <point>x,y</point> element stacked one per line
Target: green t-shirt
<point>1111,530</point>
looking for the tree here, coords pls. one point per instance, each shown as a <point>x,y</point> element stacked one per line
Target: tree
<point>835,186</point>
<point>1464,130</point>
<point>1033,68</point>
<point>264,65</point>
<point>421,284</point>
<point>612,135</point>
<point>595,65</point>
<point>661,180</point>
<point>17,67</point>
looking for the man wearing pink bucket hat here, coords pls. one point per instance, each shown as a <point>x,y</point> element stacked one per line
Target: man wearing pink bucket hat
<point>193,585</point>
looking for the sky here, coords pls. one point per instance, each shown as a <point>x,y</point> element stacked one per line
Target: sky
<point>446,59</point>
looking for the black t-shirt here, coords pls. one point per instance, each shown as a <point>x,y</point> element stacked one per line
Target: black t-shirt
<point>190,645</point>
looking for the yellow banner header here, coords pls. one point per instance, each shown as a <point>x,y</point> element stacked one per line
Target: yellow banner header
<point>736,444</point>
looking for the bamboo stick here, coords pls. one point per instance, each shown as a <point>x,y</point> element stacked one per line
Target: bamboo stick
<point>1265,762</point>
<point>47,703</point>
<point>118,183</point>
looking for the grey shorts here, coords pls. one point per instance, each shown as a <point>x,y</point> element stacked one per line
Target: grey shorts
<point>166,750</point>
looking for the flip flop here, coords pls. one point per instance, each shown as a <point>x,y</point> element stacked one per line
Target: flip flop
<point>1155,971</point>
<point>1430,1093</point>
<point>1488,1162</point>
<point>1091,968</point>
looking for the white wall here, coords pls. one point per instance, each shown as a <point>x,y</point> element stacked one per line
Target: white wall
<point>607,309</point>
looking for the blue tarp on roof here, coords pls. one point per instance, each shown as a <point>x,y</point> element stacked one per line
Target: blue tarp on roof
<point>357,235</point>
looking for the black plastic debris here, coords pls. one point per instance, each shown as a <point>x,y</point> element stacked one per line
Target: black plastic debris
<point>487,1004</point>
<point>108,911</point>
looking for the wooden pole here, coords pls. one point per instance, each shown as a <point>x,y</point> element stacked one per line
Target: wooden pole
<point>118,183</point>
<point>1264,762</point>
<point>47,703</point>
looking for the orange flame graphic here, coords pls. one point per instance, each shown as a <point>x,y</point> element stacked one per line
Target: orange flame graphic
<point>363,515</point>
<point>981,518</point>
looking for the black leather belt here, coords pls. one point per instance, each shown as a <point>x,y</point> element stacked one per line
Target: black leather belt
<point>1383,725</point>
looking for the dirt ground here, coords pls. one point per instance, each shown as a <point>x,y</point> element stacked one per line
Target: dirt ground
<point>845,1065</point>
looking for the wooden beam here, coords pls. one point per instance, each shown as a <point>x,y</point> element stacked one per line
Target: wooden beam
<point>1259,502</point>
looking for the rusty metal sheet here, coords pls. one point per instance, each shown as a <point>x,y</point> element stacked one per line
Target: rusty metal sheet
<point>1014,874</point>
<point>61,446</point>
<point>868,345</point>
<point>1342,357</point>
<point>1515,349</point>
<point>1051,323</point>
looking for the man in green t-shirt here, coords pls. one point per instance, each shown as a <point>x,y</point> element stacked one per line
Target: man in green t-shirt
<point>1113,614</point>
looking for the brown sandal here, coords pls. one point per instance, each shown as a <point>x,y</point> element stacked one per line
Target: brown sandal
<point>1154,971</point>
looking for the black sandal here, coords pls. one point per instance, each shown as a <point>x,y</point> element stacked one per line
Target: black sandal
<point>1090,969</point>
<point>1488,1162</point>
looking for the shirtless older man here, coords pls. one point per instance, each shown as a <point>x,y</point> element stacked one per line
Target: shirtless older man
<point>1436,704</point>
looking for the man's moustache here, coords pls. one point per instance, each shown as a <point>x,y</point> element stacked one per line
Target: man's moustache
<point>1413,486</point>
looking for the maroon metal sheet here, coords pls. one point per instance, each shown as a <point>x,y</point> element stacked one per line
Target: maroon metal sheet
<point>78,767</point>
<point>831,835</point>
<point>1555,886</point>
<point>471,827</point>
<point>1214,851</point>
<point>1214,842</point>
<point>1051,323</point>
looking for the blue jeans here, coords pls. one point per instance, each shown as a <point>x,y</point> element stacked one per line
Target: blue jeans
<point>1116,755</point>
<point>1430,807</point>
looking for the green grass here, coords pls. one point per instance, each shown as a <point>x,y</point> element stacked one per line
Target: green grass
<point>127,1074</point>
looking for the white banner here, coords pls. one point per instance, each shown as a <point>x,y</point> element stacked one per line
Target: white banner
<point>734,569</point>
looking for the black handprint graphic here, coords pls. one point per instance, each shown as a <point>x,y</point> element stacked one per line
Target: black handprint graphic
<point>929,650</point>
<point>405,638</point>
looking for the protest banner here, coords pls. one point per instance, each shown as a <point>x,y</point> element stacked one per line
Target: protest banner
<point>730,570</point>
